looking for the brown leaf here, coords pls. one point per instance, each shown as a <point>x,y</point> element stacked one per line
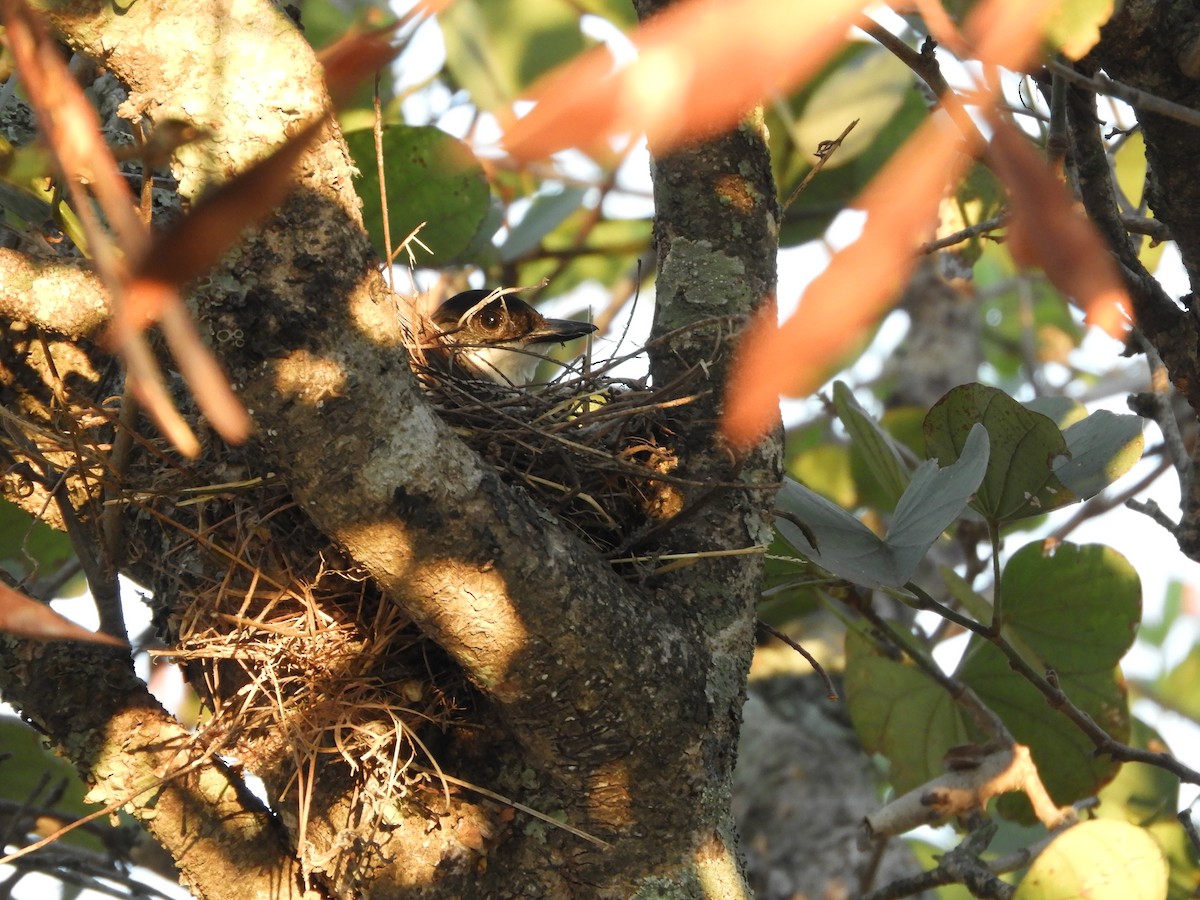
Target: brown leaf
<point>71,127</point>
<point>24,617</point>
<point>1047,229</point>
<point>700,67</point>
<point>355,56</point>
<point>852,293</point>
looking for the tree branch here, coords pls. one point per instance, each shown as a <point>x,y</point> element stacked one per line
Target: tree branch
<point>88,703</point>
<point>61,294</point>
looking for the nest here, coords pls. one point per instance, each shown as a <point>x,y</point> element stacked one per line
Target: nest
<point>594,450</point>
<point>294,652</point>
<point>300,660</point>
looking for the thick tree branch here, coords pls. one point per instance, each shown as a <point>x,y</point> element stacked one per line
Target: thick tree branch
<point>581,666</point>
<point>60,295</point>
<point>89,704</point>
<point>1147,46</point>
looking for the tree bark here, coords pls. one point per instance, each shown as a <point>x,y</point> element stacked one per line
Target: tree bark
<point>611,705</point>
<point>1154,46</point>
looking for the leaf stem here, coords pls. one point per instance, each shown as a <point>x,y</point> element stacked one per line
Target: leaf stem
<point>997,605</point>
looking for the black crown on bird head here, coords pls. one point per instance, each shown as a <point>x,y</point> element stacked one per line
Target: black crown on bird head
<point>496,339</point>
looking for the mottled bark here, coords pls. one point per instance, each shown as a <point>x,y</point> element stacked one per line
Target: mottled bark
<point>611,705</point>
<point>1154,46</point>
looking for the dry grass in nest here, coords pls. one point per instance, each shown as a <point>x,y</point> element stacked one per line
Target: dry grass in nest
<point>593,449</point>
<point>301,662</point>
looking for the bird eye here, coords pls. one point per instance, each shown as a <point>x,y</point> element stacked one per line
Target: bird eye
<point>490,319</point>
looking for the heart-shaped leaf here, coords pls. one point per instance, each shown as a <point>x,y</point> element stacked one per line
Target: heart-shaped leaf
<point>847,548</point>
<point>1073,610</point>
<point>1020,479</point>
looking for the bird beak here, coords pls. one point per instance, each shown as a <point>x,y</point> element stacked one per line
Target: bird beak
<point>558,331</point>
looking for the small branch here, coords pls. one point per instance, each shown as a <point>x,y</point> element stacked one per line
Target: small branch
<point>1188,530</point>
<point>966,790</point>
<point>1103,503</point>
<point>1154,511</point>
<point>101,581</point>
<point>1139,99</point>
<point>985,718</point>
<point>825,152</point>
<point>1156,313</point>
<point>1156,230</point>
<point>958,237</point>
<point>961,865</point>
<point>1057,698</point>
<point>830,691</point>
<point>925,65</point>
<point>1156,406</point>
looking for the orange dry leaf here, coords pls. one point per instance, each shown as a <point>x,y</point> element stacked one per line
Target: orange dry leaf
<point>144,276</point>
<point>701,66</point>
<point>71,128</point>
<point>855,290</point>
<point>355,56</point>
<point>1046,229</point>
<point>1003,33</point>
<point>24,617</point>
<point>860,281</point>
<point>1008,33</point>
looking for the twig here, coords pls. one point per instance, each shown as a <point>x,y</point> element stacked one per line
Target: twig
<point>1141,100</point>
<point>1058,699</point>
<point>528,810</point>
<point>830,691</point>
<point>1154,511</point>
<point>824,153</point>
<point>961,865</point>
<point>1158,231</point>
<point>1160,409</point>
<point>1103,503</point>
<point>958,237</point>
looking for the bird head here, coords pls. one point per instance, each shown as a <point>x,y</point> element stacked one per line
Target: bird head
<point>498,339</point>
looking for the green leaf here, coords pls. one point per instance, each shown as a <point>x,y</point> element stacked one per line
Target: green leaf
<point>1011,300</point>
<point>431,178</point>
<point>870,86</point>
<point>609,250</point>
<point>978,606</point>
<point>1073,26</point>
<point>1141,794</point>
<point>1020,479</point>
<point>874,444</point>
<point>828,467</point>
<point>847,548</point>
<point>27,544</point>
<point>1179,685</point>
<point>1155,632</point>
<point>545,213</point>
<point>1102,860</point>
<point>899,711</point>
<point>496,49</point>
<point>1074,611</point>
<point>871,144</point>
<point>1102,447</point>
<point>1063,411</point>
<point>1181,857</point>
<point>25,762</point>
<point>1129,167</point>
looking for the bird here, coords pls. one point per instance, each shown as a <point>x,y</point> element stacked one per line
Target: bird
<point>497,339</point>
